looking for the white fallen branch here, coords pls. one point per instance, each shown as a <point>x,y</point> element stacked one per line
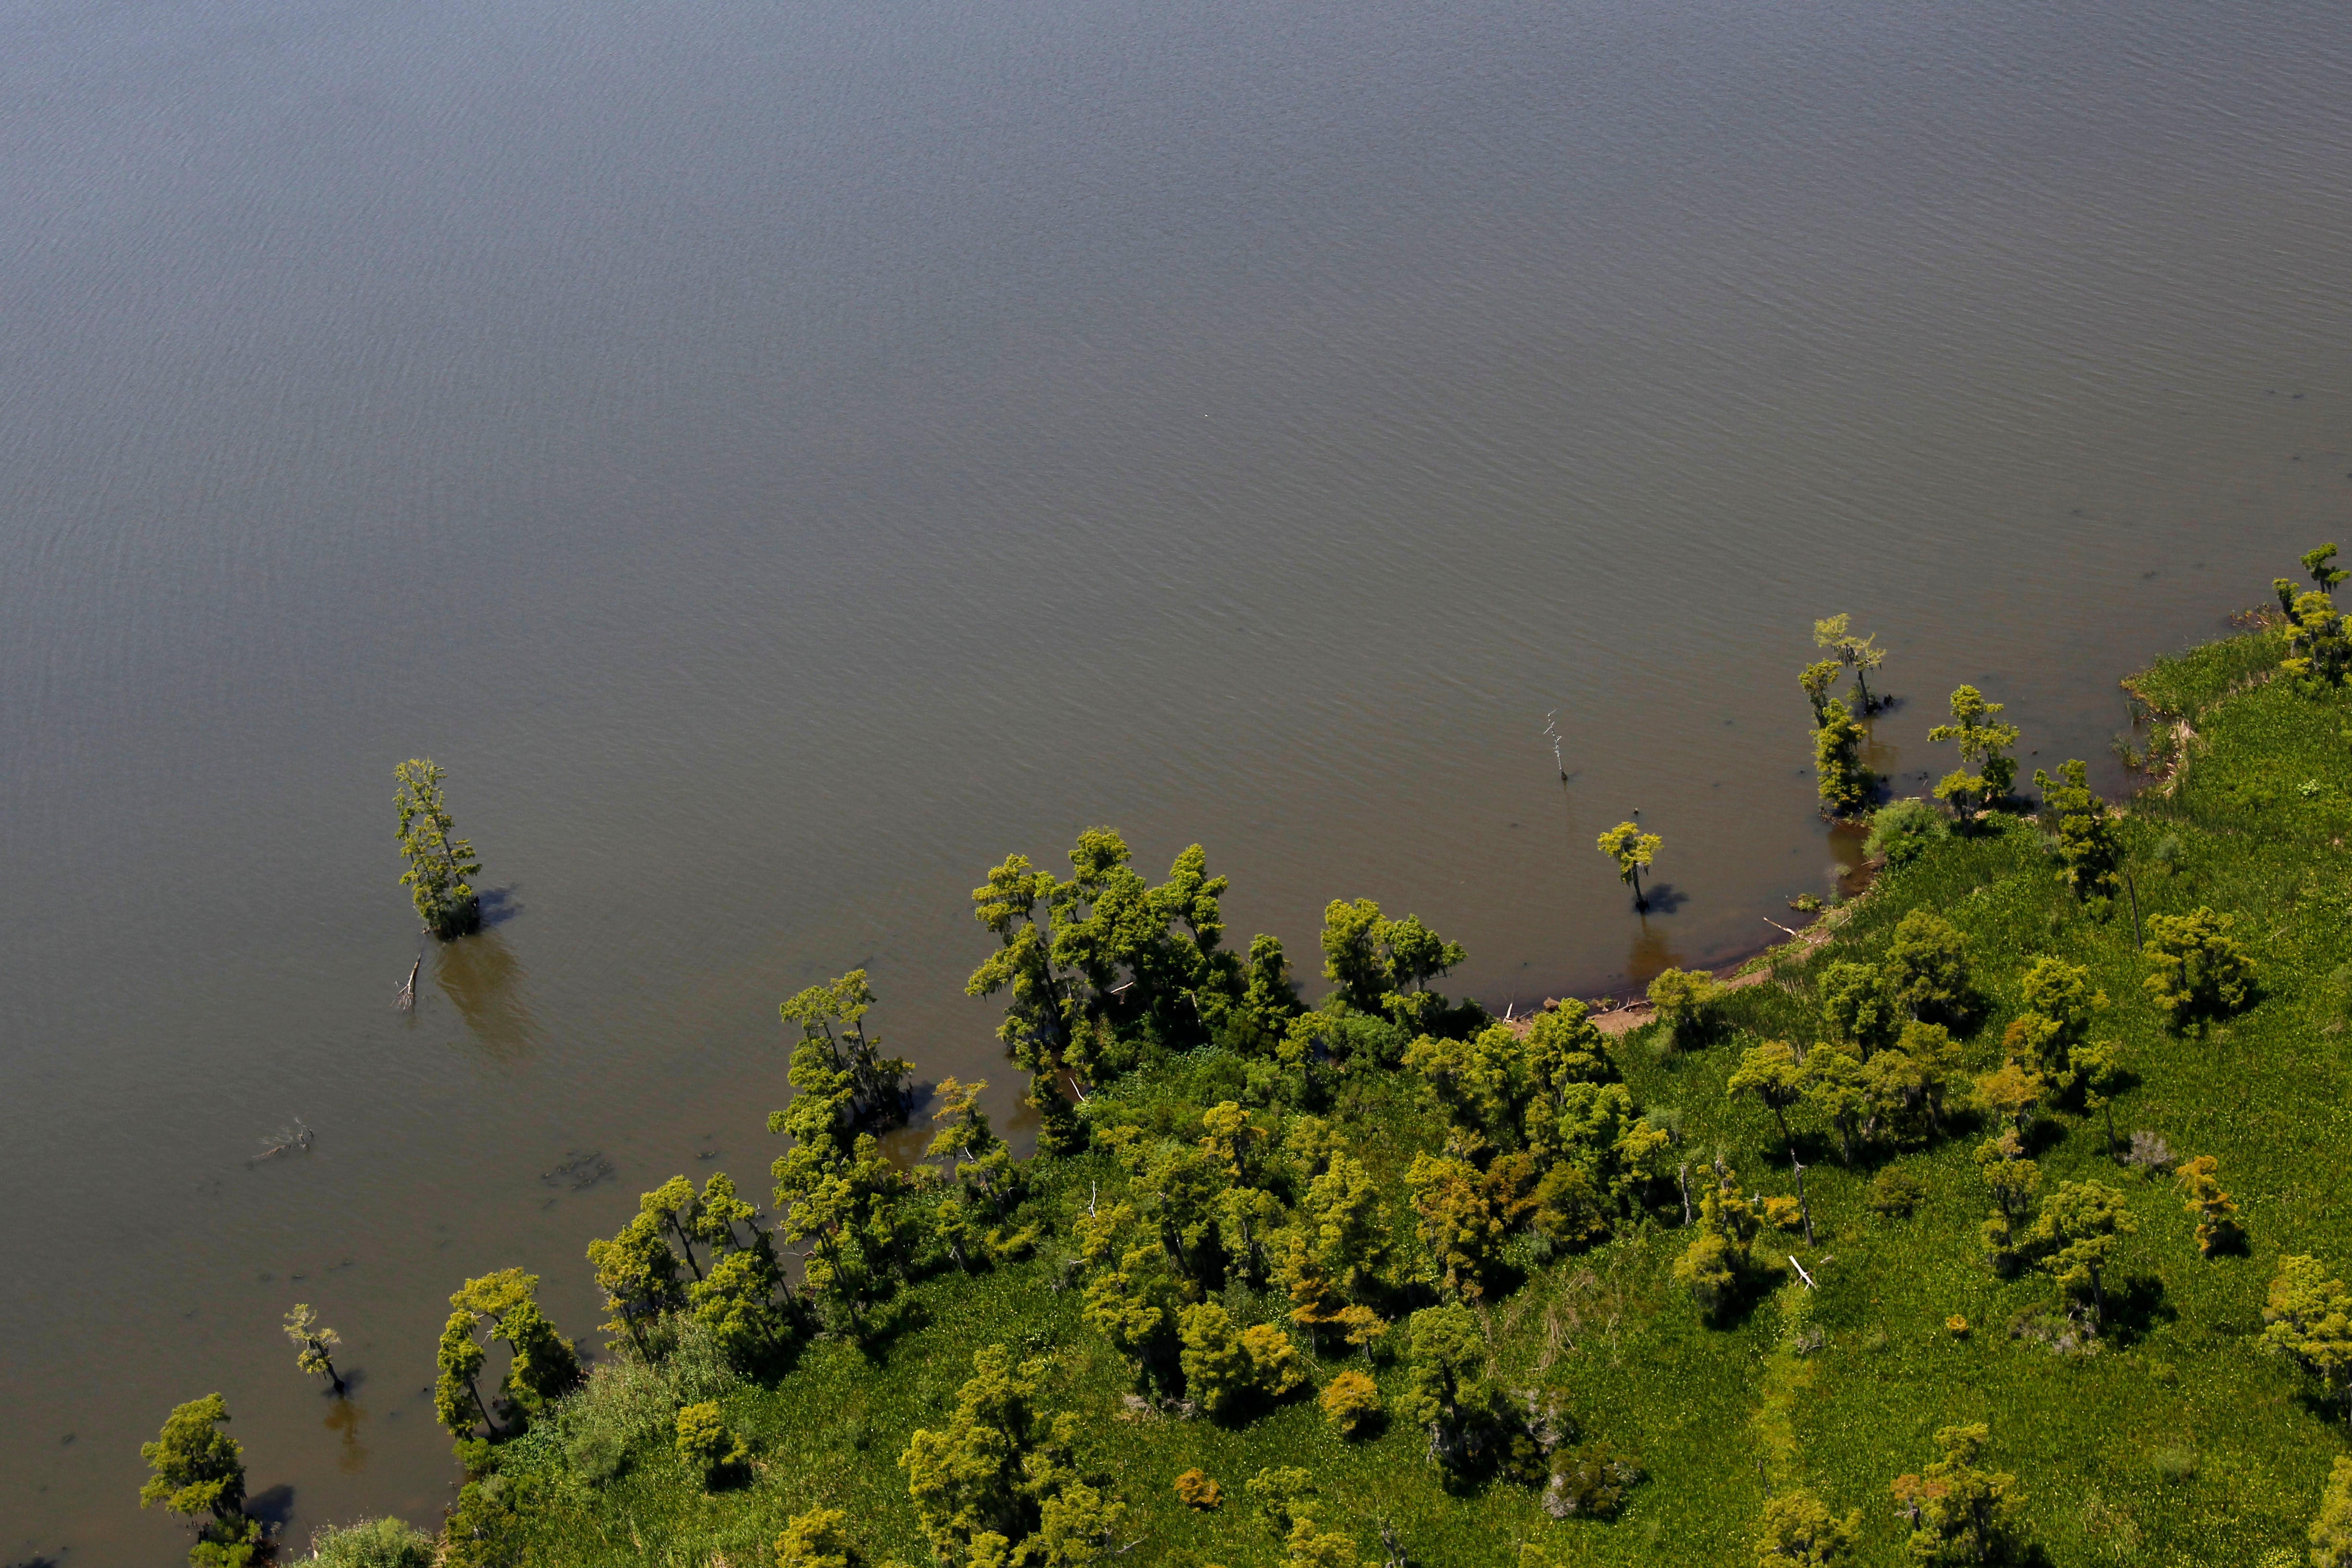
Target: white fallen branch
<point>1800,1272</point>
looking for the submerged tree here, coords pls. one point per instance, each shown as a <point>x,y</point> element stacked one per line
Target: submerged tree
<point>1983,743</point>
<point>199,1473</point>
<point>503,1305</point>
<point>1817,680</point>
<point>1632,849</point>
<point>1859,654</point>
<point>833,1029</point>
<point>1845,782</point>
<point>439,863</point>
<point>314,1344</point>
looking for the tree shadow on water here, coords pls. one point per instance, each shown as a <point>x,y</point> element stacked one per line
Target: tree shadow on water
<point>496,906</point>
<point>1664,897</point>
<point>482,978</point>
<point>274,1507</point>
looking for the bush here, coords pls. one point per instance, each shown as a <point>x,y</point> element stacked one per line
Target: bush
<point>1902,830</point>
<point>1225,1369</point>
<point>1589,1481</point>
<point>1895,1192</point>
<point>1352,1405</point>
<point>1196,1489</point>
<point>626,1403</point>
<point>814,1539</point>
<point>704,1443</point>
<point>1690,1003</point>
<point>372,1543</point>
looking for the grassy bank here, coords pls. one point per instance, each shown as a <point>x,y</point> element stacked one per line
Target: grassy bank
<point>2167,1438</point>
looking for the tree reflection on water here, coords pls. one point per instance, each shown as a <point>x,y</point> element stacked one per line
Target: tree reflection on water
<point>481,975</point>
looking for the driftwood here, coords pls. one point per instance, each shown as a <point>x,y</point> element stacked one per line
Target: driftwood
<point>1800,1272</point>
<point>1776,925</point>
<point>406,999</point>
<point>285,1141</point>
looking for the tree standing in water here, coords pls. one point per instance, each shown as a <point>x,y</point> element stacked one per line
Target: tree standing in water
<point>1984,743</point>
<point>1846,782</point>
<point>1861,655</point>
<point>199,1471</point>
<point>1632,849</point>
<point>314,1344</point>
<point>439,862</point>
<point>1816,679</point>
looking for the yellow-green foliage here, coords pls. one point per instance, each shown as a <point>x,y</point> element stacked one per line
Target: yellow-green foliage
<point>1351,1403</point>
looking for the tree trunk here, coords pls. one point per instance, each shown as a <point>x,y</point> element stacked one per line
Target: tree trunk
<point>1803,1207</point>
<point>488,1419</point>
<point>333,1375</point>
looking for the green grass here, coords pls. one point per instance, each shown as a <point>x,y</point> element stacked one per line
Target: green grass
<point>2176,1442</point>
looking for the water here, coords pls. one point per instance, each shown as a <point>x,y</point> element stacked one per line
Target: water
<point>782,458</point>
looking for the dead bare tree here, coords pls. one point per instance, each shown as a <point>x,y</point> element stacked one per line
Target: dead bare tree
<point>406,999</point>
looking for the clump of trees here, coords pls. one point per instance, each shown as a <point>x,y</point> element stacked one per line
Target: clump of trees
<point>198,1472</point>
<point>818,1539</point>
<point>1721,1267</point>
<point>836,1057</point>
<point>999,1482</point>
<point>498,1307</point>
<point>1689,1003</point>
<point>1799,1531</point>
<point>1958,1511</point>
<point>440,864</point>
<point>2331,1531</point>
<point>1901,831</point>
<point>1351,1403</point>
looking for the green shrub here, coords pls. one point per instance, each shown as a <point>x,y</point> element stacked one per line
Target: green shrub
<point>706,1444</point>
<point>372,1543</point>
<point>1690,1003</point>
<point>1902,830</point>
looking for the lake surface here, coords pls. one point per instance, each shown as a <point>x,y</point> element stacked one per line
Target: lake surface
<point>782,458</point>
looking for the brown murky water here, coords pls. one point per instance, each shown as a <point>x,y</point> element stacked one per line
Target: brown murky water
<point>783,458</point>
